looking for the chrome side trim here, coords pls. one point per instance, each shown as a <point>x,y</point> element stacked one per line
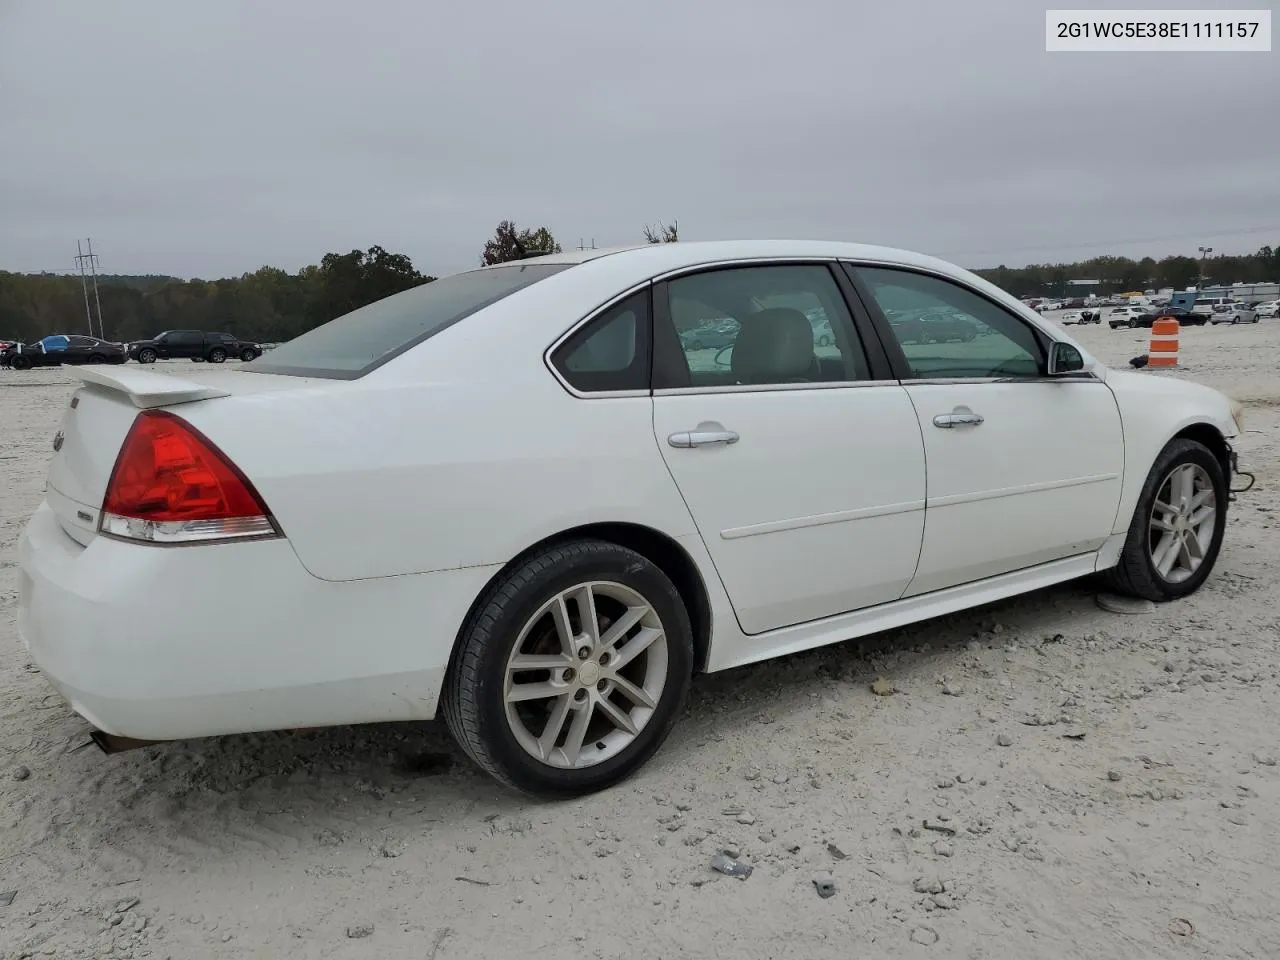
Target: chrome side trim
<point>820,519</point>
<point>958,498</point>
<point>954,381</point>
<point>774,387</point>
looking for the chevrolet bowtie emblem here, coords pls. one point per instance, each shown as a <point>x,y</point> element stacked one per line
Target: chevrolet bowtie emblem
<point>57,441</point>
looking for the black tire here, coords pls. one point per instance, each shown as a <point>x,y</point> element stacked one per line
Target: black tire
<point>146,355</point>
<point>97,358</point>
<point>1135,574</point>
<point>472,698</point>
<point>217,355</point>
<point>20,362</point>
<point>247,355</point>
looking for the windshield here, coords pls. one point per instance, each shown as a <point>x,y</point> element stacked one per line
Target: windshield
<point>360,341</point>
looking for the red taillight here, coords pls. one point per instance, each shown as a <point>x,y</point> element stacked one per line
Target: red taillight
<point>170,484</point>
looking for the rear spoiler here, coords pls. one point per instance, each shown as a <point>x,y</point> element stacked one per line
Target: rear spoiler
<point>146,390</point>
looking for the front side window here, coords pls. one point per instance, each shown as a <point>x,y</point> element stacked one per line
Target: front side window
<point>611,352</point>
<point>355,343</point>
<point>760,325</point>
<point>948,331</point>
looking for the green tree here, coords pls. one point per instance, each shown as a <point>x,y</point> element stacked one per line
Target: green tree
<point>508,243</point>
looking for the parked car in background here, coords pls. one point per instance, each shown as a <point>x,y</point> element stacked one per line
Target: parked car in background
<point>1081,317</point>
<point>1124,316</point>
<point>193,345</point>
<point>1240,313</point>
<point>1184,317</point>
<point>1268,308</point>
<point>57,349</point>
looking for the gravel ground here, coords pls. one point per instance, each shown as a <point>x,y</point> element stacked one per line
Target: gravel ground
<point>1048,780</point>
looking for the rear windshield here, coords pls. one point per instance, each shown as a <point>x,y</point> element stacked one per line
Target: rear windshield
<point>364,339</point>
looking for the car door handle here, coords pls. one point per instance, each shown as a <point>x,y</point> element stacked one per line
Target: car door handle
<point>949,420</point>
<point>702,438</point>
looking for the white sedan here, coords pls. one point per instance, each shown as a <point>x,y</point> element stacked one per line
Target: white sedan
<point>515,496</point>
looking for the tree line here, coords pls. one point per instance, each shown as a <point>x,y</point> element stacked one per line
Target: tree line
<point>273,305</point>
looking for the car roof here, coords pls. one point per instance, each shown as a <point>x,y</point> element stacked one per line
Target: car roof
<point>693,252</point>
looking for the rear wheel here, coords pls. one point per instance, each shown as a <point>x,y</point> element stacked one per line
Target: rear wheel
<point>1176,531</point>
<point>571,671</point>
<point>97,358</point>
<point>217,355</point>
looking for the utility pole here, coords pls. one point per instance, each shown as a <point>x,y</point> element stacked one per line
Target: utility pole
<point>93,270</point>
<point>1204,252</point>
<point>84,286</point>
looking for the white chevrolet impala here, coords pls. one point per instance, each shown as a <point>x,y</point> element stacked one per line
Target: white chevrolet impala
<point>539,497</point>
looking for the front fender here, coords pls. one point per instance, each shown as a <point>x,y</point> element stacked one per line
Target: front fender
<point>1153,411</point>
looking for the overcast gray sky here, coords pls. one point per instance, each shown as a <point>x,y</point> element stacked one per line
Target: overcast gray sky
<point>210,137</point>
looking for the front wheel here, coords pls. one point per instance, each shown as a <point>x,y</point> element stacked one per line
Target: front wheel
<point>571,670</point>
<point>1177,527</point>
<point>247,355</point>
<point>146,356</point>
<point>20,362</point>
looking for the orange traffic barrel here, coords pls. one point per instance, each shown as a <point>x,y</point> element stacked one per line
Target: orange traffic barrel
<point>1164,342</point>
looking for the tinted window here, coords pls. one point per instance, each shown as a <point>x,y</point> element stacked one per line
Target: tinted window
<point>947,330</point>
<point>612,351</point>
<point>185,338</point>
<point>356,343</point>
<point>783,324</point>
<point>83,342</point>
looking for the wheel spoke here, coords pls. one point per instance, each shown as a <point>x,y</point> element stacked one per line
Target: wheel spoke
<point>1167,509</point>
<point>1165,553</point>
<point>577,733</point>
<point>587,613</point>
<point>1200,499</point>
<point>1184,484</point>
<point>633,693</point>
<point>551,661</point>
<point>622,626</point>
<point>520,692</point>
<point>555,723</point>
<point>634,647</point>
<point>1203,516</point>
<point>1192,549</point>
<point>1161,524</point>
<point>620,718</point>
<point>564,628</point>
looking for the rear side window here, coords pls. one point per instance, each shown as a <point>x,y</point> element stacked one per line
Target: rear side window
<point>610,353</point>
<point>356,343</point>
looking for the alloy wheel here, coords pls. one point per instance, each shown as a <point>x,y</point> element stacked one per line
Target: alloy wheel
<point>585,675</point>
<point>1182,522</point>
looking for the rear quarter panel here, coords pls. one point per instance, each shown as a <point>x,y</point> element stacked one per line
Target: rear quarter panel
<point>370,479</point>
<point>1153,410</point>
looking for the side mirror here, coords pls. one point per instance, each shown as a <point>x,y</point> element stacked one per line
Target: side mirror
<point>1064,358</point>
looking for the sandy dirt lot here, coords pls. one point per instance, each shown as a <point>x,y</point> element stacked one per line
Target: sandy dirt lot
<point>1094,785</point>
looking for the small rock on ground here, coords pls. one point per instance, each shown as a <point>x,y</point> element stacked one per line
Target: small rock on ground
<point>882,687</point>
<point>1127,605</point>
<point>924,935</point>
<point>359,931</point>
<point>1004,740</point>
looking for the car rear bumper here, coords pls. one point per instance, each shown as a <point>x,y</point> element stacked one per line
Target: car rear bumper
<point>165,643</point>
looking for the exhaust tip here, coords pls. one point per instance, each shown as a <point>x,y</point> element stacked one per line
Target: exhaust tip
<point>110,743</point>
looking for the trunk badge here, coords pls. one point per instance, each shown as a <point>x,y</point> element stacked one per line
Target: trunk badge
<point>57,441</point>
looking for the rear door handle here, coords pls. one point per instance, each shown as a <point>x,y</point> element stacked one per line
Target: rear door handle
<point>949,420</point>
<point>702,438</point>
